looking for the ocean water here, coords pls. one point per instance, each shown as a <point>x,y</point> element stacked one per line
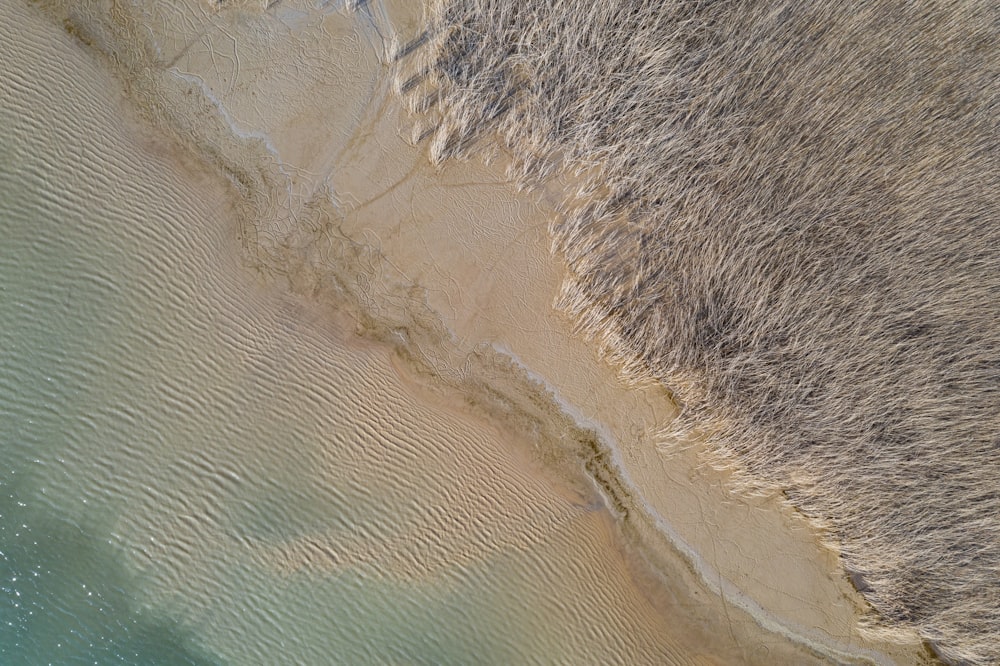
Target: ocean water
<point>196,469</point>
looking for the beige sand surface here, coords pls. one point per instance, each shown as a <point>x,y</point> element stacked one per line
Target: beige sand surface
<point>258,422</point>
<point>296,104</point>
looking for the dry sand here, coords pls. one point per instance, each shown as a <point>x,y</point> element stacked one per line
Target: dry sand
<point>452,268</point>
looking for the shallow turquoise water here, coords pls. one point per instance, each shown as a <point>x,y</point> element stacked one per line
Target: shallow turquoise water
<point>64,597</point>
<point>113,391</point>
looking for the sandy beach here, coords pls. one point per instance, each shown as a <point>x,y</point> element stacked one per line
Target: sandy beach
<point>439,282</point>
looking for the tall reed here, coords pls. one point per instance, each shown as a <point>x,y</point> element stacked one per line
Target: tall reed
<point>787,212</point>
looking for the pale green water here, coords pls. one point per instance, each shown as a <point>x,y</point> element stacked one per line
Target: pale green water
<point>190,474</point>
<point>109,388</point>
<point>64,300</point>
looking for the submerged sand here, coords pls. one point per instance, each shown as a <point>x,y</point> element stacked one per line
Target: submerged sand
<point>440,284</point>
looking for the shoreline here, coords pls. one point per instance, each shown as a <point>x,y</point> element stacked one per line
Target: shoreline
<point>582,386</point>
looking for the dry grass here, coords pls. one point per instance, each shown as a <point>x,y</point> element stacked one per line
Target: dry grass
<point>788,214</point>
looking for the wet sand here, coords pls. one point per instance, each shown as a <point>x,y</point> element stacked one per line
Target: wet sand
<point>442,281</point>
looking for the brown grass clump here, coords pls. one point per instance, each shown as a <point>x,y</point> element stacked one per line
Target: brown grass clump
<point>787,214</point>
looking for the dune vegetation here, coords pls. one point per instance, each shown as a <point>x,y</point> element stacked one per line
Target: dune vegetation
<point>787,212</point>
